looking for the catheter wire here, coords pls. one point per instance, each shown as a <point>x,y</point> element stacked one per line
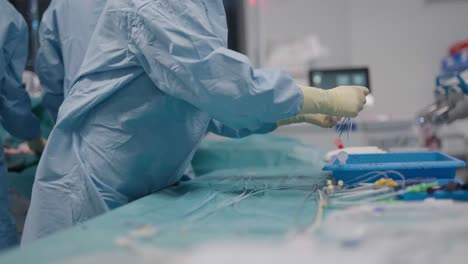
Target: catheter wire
<point>321,204</point>
<point>235,200</point>
<point>301,208</point>
<point>345,123</point>
<point>375,174</point>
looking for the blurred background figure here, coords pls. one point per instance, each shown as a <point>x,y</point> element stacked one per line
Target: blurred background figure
<point>15,106</point>
<point>65,31</point>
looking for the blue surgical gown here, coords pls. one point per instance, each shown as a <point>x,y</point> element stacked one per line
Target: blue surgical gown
<point>15,106</point>
<point>156,76</point>
<point>64,34</point>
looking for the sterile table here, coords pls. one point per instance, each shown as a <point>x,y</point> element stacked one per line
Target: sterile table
<point>255,196</point>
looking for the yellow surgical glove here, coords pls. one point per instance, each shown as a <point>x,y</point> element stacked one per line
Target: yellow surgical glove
<point>320,120</point>
<point>37,145</point>
<point>343,101</point>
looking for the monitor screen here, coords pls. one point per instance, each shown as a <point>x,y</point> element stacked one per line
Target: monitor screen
<point>331,78</point>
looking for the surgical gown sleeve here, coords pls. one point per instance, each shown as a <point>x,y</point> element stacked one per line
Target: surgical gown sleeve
<point>49,64</point>
<point>15,104</point>
<point>180,51</point>
<point>220,129</point>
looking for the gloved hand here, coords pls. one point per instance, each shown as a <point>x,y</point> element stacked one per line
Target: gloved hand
<point>320,120</point>
<point>343,101</point>
<point>459,112</point>
<point>37,145</point>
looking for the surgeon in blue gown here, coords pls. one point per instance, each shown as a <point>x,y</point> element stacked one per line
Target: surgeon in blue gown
<point>156,77</point>
<point>62,49</point>
<point>15,106</point>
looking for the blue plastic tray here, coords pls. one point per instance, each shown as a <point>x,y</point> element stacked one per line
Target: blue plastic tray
<point>412,165</point>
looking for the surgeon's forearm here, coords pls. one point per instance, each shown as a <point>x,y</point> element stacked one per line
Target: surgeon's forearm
<point>243,97</point>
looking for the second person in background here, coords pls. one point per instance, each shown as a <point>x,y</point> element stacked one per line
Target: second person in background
<point>15,107</point>
<point>64,34</point>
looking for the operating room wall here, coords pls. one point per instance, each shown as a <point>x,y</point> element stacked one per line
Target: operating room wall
<point>402,41</point>
<point>279,22</point>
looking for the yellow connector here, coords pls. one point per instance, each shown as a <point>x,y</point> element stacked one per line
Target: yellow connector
<point>386,183</point>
